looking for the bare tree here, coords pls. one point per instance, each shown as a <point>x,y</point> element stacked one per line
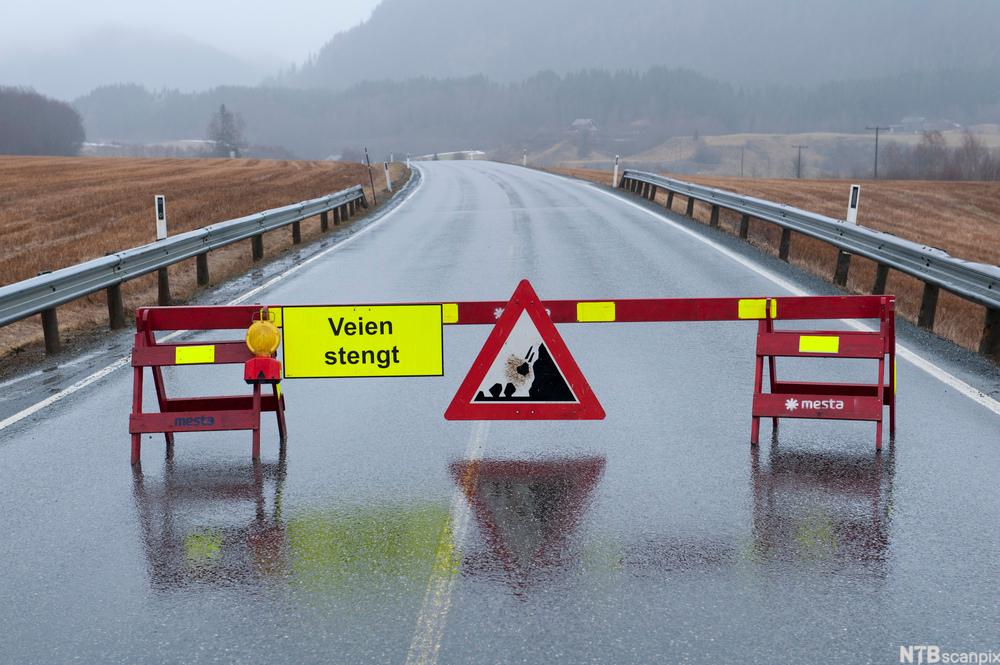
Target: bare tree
<point>226,129</point>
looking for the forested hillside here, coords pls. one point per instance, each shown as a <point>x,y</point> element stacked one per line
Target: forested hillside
<point>31,124</point>
<point>778,42</point>
<point>631,111</point>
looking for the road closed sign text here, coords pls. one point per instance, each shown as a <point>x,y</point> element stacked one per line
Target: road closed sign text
<point>363,341</point>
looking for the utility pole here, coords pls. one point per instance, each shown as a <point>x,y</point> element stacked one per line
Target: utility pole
<point>371,178</point>
<point>741,161</point>
<point>798,164</point>
<point>877,129</point>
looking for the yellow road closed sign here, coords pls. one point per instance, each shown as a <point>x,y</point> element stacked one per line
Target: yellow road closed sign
<point>358,341</point>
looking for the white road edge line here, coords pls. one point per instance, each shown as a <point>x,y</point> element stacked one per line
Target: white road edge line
<point>426,643</point>
<point>915,359</point>
<point>122,362</point>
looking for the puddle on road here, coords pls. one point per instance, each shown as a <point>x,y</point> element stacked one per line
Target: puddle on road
<point>224,526</point>
<point>810,510</point>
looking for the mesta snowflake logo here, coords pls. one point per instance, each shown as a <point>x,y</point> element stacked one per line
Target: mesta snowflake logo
<point>791,404</point>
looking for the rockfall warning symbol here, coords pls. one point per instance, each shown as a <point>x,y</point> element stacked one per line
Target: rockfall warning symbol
<point>524,371</point>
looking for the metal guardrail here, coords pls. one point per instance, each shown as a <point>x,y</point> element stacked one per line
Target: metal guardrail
<point>42,294</point>
<point>977,282</point>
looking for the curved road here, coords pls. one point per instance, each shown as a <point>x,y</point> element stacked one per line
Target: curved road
<point>386,534</point>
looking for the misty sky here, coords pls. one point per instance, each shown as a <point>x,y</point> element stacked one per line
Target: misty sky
<point>289,30</point>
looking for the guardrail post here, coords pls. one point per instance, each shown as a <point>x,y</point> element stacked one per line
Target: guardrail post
<point>786,244</point>
<point>990,343</point>
<point>116,307</point>
<point>336,216</point>
<point>744,227</point>
<point>714,221</point>
<point>201,266</point>
<point>364,201</point>
<point>50,329</point>
<point>351,209</point>
<point>296,233</point>
<point>881,276</point>
<point>690,207</point>
<point>652,192</point>
<point>324,221</point>
<point>162,287</point>
<point>843,266</point>
<point>928,306</point>
<point>670,199</point>
<point>257,247</point>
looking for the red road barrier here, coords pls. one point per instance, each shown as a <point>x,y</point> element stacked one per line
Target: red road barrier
<point>832,401</point>
<point>784,399</point>
<point>196,414</point>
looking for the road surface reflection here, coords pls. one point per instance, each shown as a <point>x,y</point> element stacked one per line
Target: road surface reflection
<point>527,512</point>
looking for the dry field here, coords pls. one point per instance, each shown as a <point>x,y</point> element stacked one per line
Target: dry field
<point>55,212</point>
<point>962,218</point>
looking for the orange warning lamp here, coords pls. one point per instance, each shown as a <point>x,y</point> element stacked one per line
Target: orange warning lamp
<point>263,338</point>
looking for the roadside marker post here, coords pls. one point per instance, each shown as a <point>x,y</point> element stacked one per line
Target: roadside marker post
<point>852,204</point>
<point>524,370</point>
<point>160,205</point>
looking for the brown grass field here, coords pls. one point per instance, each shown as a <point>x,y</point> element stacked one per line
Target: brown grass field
<point>962,218</point>
<point>56,212</point>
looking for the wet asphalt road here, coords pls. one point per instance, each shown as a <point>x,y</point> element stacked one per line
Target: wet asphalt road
<point>385,534</point>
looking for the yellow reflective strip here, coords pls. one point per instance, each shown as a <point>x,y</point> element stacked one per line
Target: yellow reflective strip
<point>894,384</point>
<point>449,312</point>
<point>588,312</point>
<point>277,390</point>
<point>774,308</point>
<point>194,355</point>
<point>274,314</point>
<point>753,309</point>
<point>818,344</point>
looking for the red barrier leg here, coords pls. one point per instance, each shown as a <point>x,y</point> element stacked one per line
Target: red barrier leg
<point>161,399</point>
<point>772,379</point>
<point>136,410</point>
<point>881,400</point>
<point>758,379</point>
<point>256,429</point>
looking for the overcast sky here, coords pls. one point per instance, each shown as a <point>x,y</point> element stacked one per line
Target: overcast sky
<point>289,29</point>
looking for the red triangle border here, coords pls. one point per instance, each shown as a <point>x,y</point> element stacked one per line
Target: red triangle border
<point>462,406</point>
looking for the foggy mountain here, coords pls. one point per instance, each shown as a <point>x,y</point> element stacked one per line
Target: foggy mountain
<point>116,54</point>
<point>774,42</point>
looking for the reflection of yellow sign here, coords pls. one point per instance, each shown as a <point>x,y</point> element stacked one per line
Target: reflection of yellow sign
<point>377,340</point>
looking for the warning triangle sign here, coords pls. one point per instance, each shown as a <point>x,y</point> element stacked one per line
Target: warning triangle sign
<point>524,371</point>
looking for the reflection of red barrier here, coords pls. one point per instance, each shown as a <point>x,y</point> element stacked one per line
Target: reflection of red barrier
<point>196,414</point>
<point>834,401</point>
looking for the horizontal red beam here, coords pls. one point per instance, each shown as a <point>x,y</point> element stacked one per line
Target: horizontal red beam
<point>850,344</point>
<point>826,407</point>
<point>192,421</point>
<point>562,311</point>
<point>165,355</point>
